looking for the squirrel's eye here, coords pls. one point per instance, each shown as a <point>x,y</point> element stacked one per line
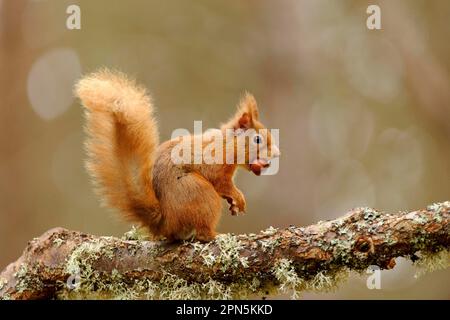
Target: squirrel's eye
<point>257,139</point>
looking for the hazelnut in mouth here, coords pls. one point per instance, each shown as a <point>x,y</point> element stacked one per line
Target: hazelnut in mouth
<point>258,165</point>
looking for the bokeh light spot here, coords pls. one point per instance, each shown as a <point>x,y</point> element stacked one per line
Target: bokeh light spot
<point>50,82</point>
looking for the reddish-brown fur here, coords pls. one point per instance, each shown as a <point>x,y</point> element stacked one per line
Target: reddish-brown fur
<point>136,175</point>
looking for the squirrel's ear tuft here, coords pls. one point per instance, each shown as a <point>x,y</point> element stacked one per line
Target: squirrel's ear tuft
<point>244,121</point>
<point>247,113</point>
<point>248,105</point>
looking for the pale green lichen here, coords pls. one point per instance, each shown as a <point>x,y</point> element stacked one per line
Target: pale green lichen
<point>209,259</point>
<point>114,286</point>
<point>170,287</point>
<point>58,242</point>
<point>420,219</point>
<point>230,247</point>
<point>79,264</point>
<point>325,282</point>
<point>255,284</point>
<point>81,258</point>
<point>343,249</point>
<point>432,261</point>
<point>341,231</point>
<point>6,296</point>
<point>21,271</point>
<point>268,245</point>
<point>120,290</point>
<point>228,256</point>
<point>218,290</point>
<point>175,288</point>
<point>202,249</point>
<point>338,223</point>
<point>439,206</point>
<point>25,279</point>
<point>289,280</point>
<point>178,288</point>
<point>321,281</point>
<point>3,282</point>
<point>269,231</point>
<point>95,284</point>
<point>135,234</point>
<point>21,277</point>
<point>370,213</point>
<point>285,274</point>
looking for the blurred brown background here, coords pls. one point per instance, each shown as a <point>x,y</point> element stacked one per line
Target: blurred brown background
<point>363,115</point>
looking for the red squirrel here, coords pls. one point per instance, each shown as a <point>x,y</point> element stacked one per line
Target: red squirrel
<point>136,174</point>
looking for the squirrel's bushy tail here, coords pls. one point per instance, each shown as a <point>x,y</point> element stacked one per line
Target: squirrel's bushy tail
<point>122,142</point>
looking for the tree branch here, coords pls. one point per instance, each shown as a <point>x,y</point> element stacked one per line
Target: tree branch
<point>70,264</point>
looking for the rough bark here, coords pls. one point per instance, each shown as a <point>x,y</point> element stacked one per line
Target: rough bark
<point>61,263</point>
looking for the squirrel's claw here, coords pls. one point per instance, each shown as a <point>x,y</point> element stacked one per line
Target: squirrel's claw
<point>235,210</point>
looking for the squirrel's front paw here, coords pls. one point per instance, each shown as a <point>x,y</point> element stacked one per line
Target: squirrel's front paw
<point>236,206</point>
<point>234,210</point>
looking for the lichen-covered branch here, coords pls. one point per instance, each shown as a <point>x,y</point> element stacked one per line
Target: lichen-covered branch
<point>70,264</point>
